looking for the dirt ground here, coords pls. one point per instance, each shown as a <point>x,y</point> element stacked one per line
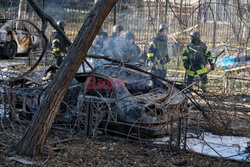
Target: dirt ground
<point>82,151</point>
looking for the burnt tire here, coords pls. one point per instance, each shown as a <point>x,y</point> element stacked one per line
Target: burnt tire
<point>10,50</point>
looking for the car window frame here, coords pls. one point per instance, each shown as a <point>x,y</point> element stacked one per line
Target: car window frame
<point>34,27</point>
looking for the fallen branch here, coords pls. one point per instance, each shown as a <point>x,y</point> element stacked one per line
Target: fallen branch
<point>4,145</point>
<point>22,161</point>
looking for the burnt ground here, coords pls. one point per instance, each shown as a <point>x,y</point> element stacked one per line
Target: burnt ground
<point>82,151</point>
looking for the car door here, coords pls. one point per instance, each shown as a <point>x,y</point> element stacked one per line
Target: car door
<point>37,41</point>
<point>21,36</point>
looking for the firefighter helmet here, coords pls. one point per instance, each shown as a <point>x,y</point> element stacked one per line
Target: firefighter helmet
<point>117,28</point>
<point>61,24</point>
<point>162,27</point>
<point>129,35</point>
<point>195,34</point>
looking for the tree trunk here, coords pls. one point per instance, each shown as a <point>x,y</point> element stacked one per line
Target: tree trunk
<point>166,13</point>
<point>22,10</point>
<point>35,137</point>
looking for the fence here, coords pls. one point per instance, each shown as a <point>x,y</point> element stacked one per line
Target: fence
<point>217,21</point>
<point>218,85</point>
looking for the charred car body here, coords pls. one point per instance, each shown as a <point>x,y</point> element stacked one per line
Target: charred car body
<point>118,100</point>
<point>124,101</point>
<point>19,37</point>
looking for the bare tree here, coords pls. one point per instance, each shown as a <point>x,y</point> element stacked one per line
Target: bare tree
<point>35,137</point>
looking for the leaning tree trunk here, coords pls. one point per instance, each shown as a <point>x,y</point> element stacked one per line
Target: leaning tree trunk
<point>35,137</point>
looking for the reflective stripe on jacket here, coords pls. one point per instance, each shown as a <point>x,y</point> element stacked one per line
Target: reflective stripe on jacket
<point>196,55</point>
<point>59,46</point>
<point>158,52</point>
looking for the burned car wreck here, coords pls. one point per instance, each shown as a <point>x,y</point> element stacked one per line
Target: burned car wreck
<point>113,99</point>
<point>19,37</point>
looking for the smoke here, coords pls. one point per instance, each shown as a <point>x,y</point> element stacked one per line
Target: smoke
<point>55,11</point>
<point>116,47</point>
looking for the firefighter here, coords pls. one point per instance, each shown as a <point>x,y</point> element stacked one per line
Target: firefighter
<point>128,49</point>
<point>98,43</point>
<point>59,45</point>
<point>118,31</point>
<point>157,54</point>
<point>195,58</point>
<point>97,47</point>
<point>110,47</point>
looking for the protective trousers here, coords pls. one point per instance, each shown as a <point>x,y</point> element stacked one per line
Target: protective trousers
<point>158,69</point>
<point>201,71</point>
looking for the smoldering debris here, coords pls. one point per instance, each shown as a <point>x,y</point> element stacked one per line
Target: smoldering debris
<point>126,103</point>
<point>118,101</point>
